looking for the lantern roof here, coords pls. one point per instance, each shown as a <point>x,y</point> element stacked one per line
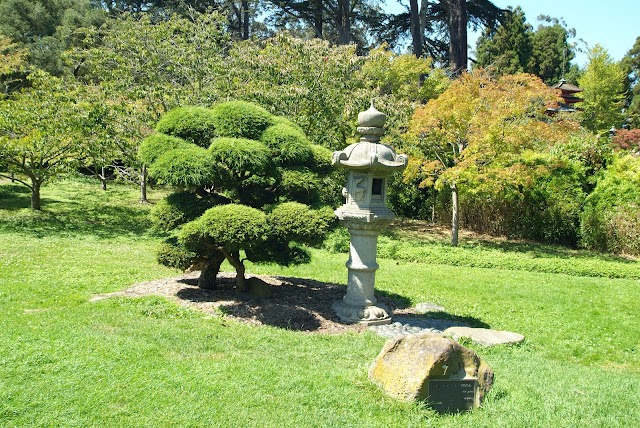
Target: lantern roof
<point>371,118</point>
<point>369,156</point>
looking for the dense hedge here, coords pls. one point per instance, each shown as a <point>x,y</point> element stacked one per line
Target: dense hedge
<point>611,218</point>
<point>232,226</point>
<point>300,185</point>
<point>241,154</point>
<point>293,221</point>
<point>288,145</point>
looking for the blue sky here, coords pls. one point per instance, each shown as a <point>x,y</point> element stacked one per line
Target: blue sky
<point>614,24</point>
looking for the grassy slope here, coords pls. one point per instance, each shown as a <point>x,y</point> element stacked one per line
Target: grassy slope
<point>147,362</point>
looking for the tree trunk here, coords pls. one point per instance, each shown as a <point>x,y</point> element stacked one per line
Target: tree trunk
<point>234,259</point>
<point>457,23</point>
<point>317,18</point>
<point>35,194</point>
<point>344,22</point>
<point>103,179</point>
<point>143,185</point>
<point>416,31</point>
<point>207,279</point>
<point>455,219</point>
<point>245,20</point>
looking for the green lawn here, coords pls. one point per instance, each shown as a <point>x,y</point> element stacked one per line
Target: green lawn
<point>65,361</point>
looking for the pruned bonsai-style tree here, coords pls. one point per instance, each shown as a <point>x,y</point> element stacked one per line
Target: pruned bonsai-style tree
<point>248,188</point>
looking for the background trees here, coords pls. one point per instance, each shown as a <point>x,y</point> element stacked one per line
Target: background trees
<point>439,28</point>
<point>491,148</point>
<point>13,60</point>
<point>514,47</point>
<point>610,220</point>
<point>631,66</point>
<point>490,142</point>
<point>47,27</point>
<point>603,83</point>
<point>506,49</point>
<point>40,134</point>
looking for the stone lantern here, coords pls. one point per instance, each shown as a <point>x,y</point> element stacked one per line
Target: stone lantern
<point>365,214</point>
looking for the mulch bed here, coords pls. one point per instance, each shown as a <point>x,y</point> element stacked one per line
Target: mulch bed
<point>297,304</point>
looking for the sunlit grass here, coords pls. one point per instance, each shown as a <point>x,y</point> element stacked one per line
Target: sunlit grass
<point>66,361</point>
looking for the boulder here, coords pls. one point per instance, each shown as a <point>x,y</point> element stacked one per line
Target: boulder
<point>258,288</point>
<point>408,366</point>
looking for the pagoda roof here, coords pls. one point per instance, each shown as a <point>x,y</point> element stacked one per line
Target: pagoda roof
<point>569,99</point>
<point>562,108</point>
<point>567,87</point>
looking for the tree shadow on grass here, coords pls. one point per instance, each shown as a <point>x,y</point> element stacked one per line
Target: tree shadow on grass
<point>301,304</point>
<point>14,197</point>
<point>297,304</point>
<point>68,218</point>
<point>440,320</point>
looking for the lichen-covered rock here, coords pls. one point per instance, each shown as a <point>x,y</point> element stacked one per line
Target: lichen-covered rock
<point>406,364</point>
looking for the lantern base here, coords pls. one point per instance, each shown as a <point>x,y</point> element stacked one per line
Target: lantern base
<point>377,314</point>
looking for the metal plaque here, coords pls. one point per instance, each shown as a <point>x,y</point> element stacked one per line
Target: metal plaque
<point>452,395</point>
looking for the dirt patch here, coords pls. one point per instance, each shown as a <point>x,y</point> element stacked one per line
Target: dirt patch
<point>297,303</point>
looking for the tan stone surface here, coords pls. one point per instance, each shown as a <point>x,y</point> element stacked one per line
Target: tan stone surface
<point>405,365</point>
<point>484,336</point>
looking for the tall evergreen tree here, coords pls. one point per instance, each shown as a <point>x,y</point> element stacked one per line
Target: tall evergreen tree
<point>515,47</point>
<point>339,21</point>
<point>438,28</point>
<point>551,51</point>
<point>240,14</point>
<point>631,65</point>
<point>46,27</point>
<point>508,48</point>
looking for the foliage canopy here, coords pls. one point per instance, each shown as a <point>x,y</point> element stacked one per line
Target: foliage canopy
<point>235,179</point>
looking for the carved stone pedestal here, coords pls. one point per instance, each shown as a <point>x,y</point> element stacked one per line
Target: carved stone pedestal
<point>360,305</point>
<point>365,214</point>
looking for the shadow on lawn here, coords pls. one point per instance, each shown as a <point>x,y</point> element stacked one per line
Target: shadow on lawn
<point>68,217</point>
<point>299,304</point>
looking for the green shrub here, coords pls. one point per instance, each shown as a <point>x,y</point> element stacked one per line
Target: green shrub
<point>338,241</point>
<point>190,166</point>
<point>252,191</point>
<point>279,120</point>
<point>299,185</point>
<point>193,124</point>
<point>241,119</point>
<point>156,145</point>
<point>231,226</point>
<point>320,160</point>
<point>293,221</point>
<point>177,209</point>
<point>241,155</point>
<point>288,145</point>
<point>171,254</point>
<point>611,217</point>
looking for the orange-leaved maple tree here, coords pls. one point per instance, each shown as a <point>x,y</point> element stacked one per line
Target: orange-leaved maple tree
<point>480,128</point>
